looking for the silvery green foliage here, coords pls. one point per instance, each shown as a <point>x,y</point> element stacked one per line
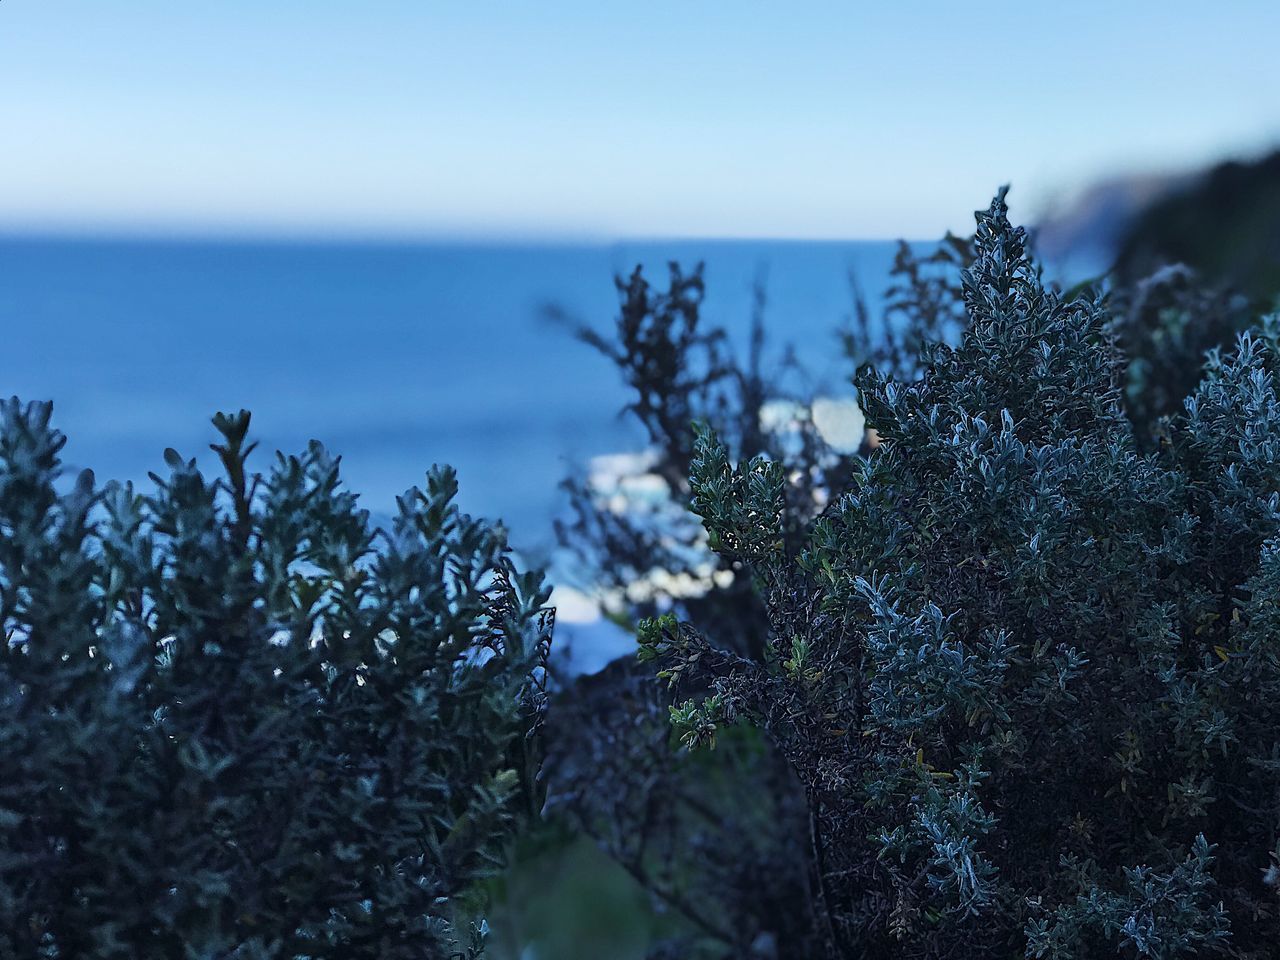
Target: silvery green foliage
<point>239,722</point>
<point>1027,670</point>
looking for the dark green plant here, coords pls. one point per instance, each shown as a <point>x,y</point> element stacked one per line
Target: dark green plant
<point>716,839</point>
<point>1026,670</point>
<point>730,877</point>
<point>239,722</point>
<point>679,369</point>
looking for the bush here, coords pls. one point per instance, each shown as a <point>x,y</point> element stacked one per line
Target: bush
<point>241,722</point>
<point>1026,670</point>
<point>713,839</point>
<point>717,839</point>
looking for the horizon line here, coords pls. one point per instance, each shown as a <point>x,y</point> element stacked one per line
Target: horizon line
<point>214,234</point>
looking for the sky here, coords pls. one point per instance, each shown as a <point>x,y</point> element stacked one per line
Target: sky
<point>606,118</point>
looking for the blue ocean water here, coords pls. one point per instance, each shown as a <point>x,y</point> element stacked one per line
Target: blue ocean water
<point>395,356</point>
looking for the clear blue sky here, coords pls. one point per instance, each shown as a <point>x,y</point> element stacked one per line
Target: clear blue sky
<point>607,118</point>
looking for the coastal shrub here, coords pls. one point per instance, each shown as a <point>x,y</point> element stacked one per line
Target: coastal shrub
<point>712,838</point>
<point>716,839</point>
<point>241,722</point>
<point>1025,668</point>
<point>616,777</point>
<point>680,370</point>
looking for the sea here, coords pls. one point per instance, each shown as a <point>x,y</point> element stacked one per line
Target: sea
<point>394,355</point>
